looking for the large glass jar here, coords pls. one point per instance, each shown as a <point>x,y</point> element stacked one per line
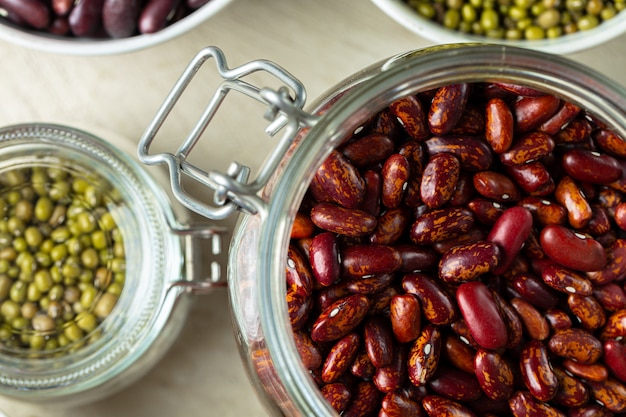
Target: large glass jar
<point>258,252</point>
<point>90,308</point>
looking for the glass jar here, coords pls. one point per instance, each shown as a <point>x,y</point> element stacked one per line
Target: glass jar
<point>258,251</point>
<point>81,334</point>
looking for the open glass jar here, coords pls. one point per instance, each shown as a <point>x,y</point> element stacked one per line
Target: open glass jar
<point>258,251</point>
<point>96,267</point>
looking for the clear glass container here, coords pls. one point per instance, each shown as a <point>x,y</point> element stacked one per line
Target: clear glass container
<point>154,274</point>
<point>258,251</point>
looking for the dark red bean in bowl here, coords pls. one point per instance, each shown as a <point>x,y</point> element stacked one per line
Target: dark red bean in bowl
<point>477,268</point>
<point>105,19</point>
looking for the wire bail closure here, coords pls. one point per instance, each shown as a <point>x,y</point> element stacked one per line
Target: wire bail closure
<point>232,191</point>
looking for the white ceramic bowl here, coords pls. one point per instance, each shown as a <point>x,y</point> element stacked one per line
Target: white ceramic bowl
<point>431,30</point>
<point>93,47</point>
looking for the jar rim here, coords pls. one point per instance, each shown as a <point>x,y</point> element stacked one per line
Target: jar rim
<point>130,328</point>
<point>373,89</point>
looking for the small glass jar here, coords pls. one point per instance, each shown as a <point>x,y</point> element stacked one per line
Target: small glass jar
<point>88,326</point>
<point>258,251</point>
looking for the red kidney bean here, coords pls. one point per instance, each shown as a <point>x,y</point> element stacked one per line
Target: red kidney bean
<point>531,112</point>
<point>521,90</point>
<point>378,341</point>
<point>156,14</point>
<point>373,189</point>
<point>424,355</point>
<point>302,227</point>
<point>34,13</point>
<point>615,358</point>
<point>324,258</point>
<point>467,262</point>
<point>496,186</point>
<point>62,7</point>
<point>481,315</point>
<point>590,410</point>
<point>364,260</point>
<point>537,371</point>
<point>494,374</point>
<point>533,177</point>
<point>437,305</point>
<point>485,211</point>
<point>85,17</point>
<point>412,116</point>
<point>611,296</point>
<point>610,142</point>
<point>439,179</point>
<point>447,107</point>
<point>119,17</point>
<point>512,320</point>
<point>405,317</point>
<point>510,232</point>
<point>571,249</point>
<point>576,344</point>
<point>591,167</point>
<point>455,384</point>
<point>416,258</point>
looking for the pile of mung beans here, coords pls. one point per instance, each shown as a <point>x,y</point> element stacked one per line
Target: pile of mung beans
<point>463,253</point>
<point>518,19</point>
<point>62,258</point>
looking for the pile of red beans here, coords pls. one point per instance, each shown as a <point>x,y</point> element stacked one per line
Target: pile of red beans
<point>97,18</point>
<point>463,254</point>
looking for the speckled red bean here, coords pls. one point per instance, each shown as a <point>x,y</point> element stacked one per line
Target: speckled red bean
<point>447,107</point>
<point>610,142</point>
<point>424,355</point>
<point>324,258</point>
<point>412,116</point>
<point>439,179</point>
<point>610,393</point>
<point>534,323</point>
<point>576,131</point>
<point>481,315</point>
<point>365,400</point>
<point>392,377</point>
<point>544,211</point>
<point>587,310</point>
<point>455,384</point>
<point>532,177</point>
<point>404,310</point>
<point>438,406</point>
<point>298,271</point>
<point>474,154</point>
<point>494,374</point>
<point>343,221</point>
<point>615,327</point>
<point>340,318</point>
<point>570,196</point>
<point>499,125</point>
<point>397,405</point>
<point>572,392</point>
<point>589,372</point>
<point>566,280</point>
<point>467,262</point>
<point>337,395</point>
<point>340,357</point>
<point>438,306</point>
<point>339,181</point>
<point>537,371</point>
<point>441,224</point>
<point>523,404</point>
<point>364,260</point>
<point>566,113</point>
<point>391,226</point>
<point>615,269</point>
<point>369,149</point>
<point>576,344</point>
<point>530,147</point>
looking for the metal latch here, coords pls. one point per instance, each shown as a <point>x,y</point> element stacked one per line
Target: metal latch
<point>232,191</point>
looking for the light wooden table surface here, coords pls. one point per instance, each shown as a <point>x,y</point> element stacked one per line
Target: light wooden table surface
<point>320,42</point>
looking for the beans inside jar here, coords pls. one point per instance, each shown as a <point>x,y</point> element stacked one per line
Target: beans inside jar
<point>62,257</point>
<point>463,253</point>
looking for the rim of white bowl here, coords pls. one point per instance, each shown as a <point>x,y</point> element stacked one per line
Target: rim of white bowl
<point>402,13</point>
<point>99,47</point>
